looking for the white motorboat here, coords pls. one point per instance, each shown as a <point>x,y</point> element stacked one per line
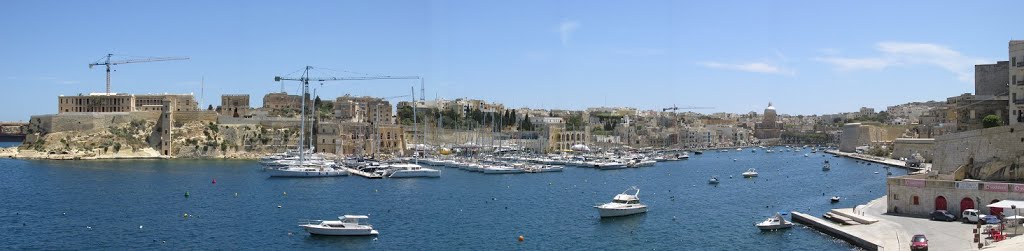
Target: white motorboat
<point>775,222</point>
<point>835,199</point>
<point>609,165</point>
<point>623,204</point>
<point>750,173</point>
<point>411,171</point>
<point>713,180</point>
<point>501,170</point>
<point>347,225</point>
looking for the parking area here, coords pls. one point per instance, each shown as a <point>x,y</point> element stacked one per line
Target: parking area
<point>896,231</point>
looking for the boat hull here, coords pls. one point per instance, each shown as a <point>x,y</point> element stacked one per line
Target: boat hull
<point>422,173</point>
<point>617,212</point>
<point>305,174</point>
<point>774,226</point>
<point>318,230</point>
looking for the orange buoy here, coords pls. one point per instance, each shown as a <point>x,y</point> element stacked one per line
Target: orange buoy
<point>521,238</point>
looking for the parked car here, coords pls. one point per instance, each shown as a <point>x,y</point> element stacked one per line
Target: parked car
<point>919,242</point>
<point>989,219</point>
<point>971,216</point>
<point>942,215</point>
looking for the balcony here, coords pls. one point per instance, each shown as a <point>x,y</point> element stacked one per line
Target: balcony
<point>1018,101</point>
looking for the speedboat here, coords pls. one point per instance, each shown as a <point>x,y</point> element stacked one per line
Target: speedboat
<point>412,171</point>
<point>623,204</point>
<point>713,180</point>
<point>750,173</point>
<point>835,199</point>
<point>347,225</point>
<point>826,166</point>
<point>775,222</point>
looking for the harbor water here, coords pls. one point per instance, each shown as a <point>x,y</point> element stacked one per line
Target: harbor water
<point>142,204</point>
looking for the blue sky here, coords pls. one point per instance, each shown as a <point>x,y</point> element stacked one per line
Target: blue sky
<point>807,57</point>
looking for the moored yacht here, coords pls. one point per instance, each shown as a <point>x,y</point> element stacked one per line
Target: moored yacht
<point>347,225</point>
<point>309,171</point>
<point>411,171</point>
<point>623,204</point>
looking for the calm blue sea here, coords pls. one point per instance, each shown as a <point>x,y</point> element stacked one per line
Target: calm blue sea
<point>140,204</point>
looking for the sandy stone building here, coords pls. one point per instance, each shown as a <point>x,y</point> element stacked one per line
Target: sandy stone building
<point>123,102</point>
<point>362,109</point>
<point>235,105</point>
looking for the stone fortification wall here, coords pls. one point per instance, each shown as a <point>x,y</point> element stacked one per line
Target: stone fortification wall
<point>905,148</point>
<point>66,122</point>
<point>997,149</point>
<point>205,117</point>
<point>860,134</point>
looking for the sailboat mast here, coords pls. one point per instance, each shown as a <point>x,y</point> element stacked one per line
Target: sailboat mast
<point>302,123</point>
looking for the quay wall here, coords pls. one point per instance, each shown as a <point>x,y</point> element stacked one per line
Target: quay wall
<point>905,148</point>
<point>833,230</point>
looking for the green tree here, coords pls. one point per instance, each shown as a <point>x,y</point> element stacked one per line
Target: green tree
<point>991,121</point>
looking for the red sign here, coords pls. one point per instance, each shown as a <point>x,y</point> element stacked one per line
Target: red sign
<point>1019,188</point>
<point>913,183</point>
<point>997,187</point>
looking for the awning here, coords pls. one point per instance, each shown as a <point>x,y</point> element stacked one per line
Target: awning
<point>1007,204</point>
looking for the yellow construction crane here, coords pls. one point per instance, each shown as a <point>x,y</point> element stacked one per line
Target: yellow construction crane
<point>105,61</point>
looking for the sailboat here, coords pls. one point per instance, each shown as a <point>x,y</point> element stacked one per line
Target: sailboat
<point>305,168</point>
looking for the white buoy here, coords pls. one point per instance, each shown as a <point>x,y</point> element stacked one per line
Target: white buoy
<point>140,226</point>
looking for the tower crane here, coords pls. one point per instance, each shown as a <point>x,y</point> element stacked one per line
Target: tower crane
<point>305,79</point>
<point>676,108</point>
<point>105,61</point>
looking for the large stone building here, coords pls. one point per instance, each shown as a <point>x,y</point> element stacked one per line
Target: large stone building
<point>362,109</point>
<point>96,102</point>
<point>235,105</point>
<point>155,102</point>
<point>970,169</point>
<point>1016,101</point>
<point>123,102</point>
<point>769,127</point>
<point>281,100</point>
<point>561,140</point>
<point>967,111</point>
<point>992,79</point>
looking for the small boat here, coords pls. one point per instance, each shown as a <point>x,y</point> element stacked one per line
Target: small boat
<point>623,204</point>
<point>807,155</point>
<point>826,166</point>
<point>835,199</point>
<point>750,173</point>
<point>347,225</point>
<point>412,171</point>
<point>698,152</point>
<point>713,180</point>
<point>775,222</point>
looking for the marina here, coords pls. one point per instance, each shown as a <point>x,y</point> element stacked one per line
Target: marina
<point>551,210</point>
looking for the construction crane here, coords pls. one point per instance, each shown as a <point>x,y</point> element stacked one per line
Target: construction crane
<point>676,108</point>
<point>394,97</point>
<point>305,79</point>
<point>105,61</point>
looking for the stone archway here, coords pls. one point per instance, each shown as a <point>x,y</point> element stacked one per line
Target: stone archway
<point>940,203</point>
<point>966,203</point>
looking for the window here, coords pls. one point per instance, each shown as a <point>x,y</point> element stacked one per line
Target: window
<point>915,200</point>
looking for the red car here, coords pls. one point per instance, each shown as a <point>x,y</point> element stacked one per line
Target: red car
<point>919,242</point>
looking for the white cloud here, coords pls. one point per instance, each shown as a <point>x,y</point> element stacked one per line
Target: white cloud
<point>755,67</point>
<point>902,53</point>
<point>566,28</point>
